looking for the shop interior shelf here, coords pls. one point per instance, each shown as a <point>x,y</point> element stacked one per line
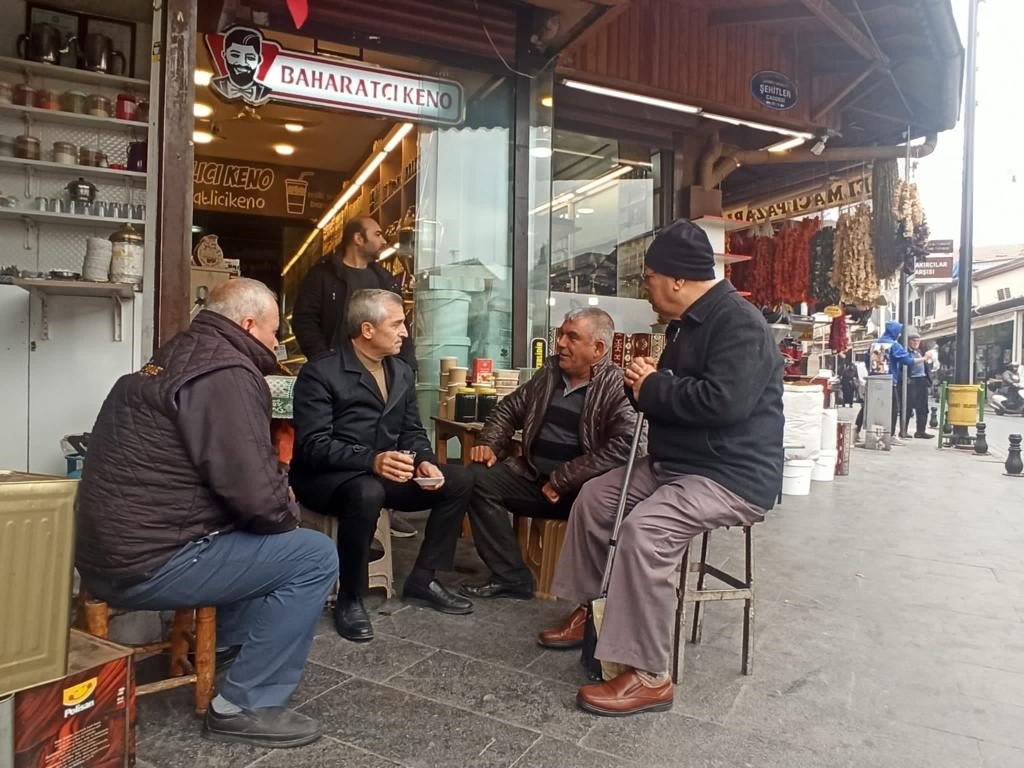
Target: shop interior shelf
<point>62,169</point>
<point>66,218</point>
<point>70,74</point>
<point>720,221</point>
<point>74,118</point>
<point>74,287</point>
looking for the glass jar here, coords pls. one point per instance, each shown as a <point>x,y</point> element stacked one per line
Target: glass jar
<point>465,404</point>
<point>73,101</point>
<point>99,106</point>
<point>64,153</point>
<point>48,99</point>
<point>27,147</point>
<point>126,256</point>
<point>24,95</point>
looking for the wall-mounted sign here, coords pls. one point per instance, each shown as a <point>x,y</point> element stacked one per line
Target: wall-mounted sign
<point>934,269</point>
<point>940,246</point>
<point>236,186</point>
<point>538,352</point>
<point>774,89</point>
<point>255,70</point>
<point>829,195</point>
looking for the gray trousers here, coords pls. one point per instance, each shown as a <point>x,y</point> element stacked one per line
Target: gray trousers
<point>663,514</point>
<point>269,592</point>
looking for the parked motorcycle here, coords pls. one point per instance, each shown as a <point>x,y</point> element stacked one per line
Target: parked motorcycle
<point>1008,397</point>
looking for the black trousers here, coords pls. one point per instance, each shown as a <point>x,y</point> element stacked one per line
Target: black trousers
<point>357,504</point>
<point>917,403</point>
<point>497,493</point>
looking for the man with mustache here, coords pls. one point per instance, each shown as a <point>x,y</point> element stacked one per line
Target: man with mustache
<point>242,55</point>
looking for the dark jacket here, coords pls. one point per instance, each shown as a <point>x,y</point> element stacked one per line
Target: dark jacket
<point>320,306</point>
<point>341,423</point>
<point>717,410</point>
<point>605,432</point>
<point>179,450</point>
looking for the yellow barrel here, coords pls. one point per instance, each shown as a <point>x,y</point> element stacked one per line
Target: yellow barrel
<point>962,403</point>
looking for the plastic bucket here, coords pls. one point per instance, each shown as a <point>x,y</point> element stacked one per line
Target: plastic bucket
<point>796,477</point>
<point>962,403</point>
<point>825,467</point>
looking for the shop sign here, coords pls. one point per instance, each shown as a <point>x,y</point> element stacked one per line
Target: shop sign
<point>939,246</point>
<point>255,70</point>
<point>830,195</point>
<point>774,89</point>
<point>934,269</point>
<point>833,311</point>
<point>539,352</point>
<point>236,186</point>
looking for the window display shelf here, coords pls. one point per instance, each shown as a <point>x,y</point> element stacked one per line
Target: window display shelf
<point>72,118</point>
<point>70,74</point>
<point>63,169</point>
<point>66,218</point>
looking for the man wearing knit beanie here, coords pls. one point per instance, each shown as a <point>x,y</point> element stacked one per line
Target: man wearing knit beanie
<point>714,409</point>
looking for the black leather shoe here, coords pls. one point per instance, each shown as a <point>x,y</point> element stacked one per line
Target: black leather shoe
<point>495,588</point>
<point>435,595</point>
<point>923,435</point>
<point>273,727</point>
<point>352,621</point>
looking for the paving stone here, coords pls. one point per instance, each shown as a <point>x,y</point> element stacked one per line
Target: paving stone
<point>316,679</point>
<point>548,753</point>
<point>379,659</point>
<point>326,753</point>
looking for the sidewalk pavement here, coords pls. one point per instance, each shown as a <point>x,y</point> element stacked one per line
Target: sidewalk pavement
<point>889,632</point>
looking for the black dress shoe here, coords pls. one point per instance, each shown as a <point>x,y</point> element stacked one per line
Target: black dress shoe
<point>352,621</point>
<point>273,727</point>
<point>435,595</point>
<point>923,435</point>
<point>495,588</point>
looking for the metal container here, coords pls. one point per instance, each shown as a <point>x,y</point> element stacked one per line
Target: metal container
<point>65,153</point>
<point>24,95</point>
<point>27,147</point>
<point>126,256</point>
<point>99,106</point>
<point>81,190</point>
<point>36,548</point>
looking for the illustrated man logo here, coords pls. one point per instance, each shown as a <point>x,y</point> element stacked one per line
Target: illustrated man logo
<point>242,57</point>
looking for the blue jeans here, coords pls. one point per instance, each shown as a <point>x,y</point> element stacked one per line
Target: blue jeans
<point>269,592</point>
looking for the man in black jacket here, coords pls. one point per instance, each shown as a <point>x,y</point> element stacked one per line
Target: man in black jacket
<point>714,409</point>
<point>360,446</point>
<point>182,504</point>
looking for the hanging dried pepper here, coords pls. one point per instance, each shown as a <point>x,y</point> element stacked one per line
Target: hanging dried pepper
<point>839,335</point>
<point>823,293</point>
<point>853,271</point>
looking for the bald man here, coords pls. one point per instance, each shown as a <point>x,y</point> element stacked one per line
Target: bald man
<point>182,504</point>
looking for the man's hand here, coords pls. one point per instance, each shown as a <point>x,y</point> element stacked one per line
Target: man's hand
<point>394,466</point>
<point>426,469</point>
<point>483,454</point>
<point>291,495</point>
<point>637,371</point>
<point>550,493</point>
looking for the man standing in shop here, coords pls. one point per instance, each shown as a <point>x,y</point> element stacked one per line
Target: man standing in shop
<point>182,504</point>
<point>360,446</point>
<point>321,304</point>
<point>576,424</point>
<point>714,410</point>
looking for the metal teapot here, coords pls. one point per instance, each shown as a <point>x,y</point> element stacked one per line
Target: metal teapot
<point>81,191</point>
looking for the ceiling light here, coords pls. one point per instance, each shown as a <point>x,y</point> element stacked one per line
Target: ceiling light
<point>294,127</point>
<point>600,90</point>
<point>542,148</point>
<point>202,137</point>
<point>397,138</point>
<point>584,211</point>
<point>284,149</point>
<point>592,301</point>
<point>203,77</point>
<point>620,171</point>
<point>547,101</point>
<point>758,126</point>
<point>787,144</point>
<point>201,110</point>
<point>386,252</point>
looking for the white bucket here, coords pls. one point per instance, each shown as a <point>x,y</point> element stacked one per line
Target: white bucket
<point>825,467</point>
<point>796,477</point>
<point>829,421</point>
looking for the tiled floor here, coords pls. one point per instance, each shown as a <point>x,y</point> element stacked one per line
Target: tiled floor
<point>888,633</point>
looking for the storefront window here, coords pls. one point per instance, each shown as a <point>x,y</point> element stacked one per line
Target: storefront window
<point>993,350</point>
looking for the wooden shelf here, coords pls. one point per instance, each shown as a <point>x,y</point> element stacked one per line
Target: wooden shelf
<point>67,218</point>
<point>70,74</point>
<point>61,169</point>
<point>730,225</point>
<point>74,288</point>
<point>71,118</point>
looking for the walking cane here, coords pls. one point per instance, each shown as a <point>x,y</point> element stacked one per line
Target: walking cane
<point>595,608</point>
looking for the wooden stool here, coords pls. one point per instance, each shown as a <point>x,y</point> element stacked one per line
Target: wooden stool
<point>381,570</point>
<point>192,627</point>
<point>738,589</point>
<point>540,543</point>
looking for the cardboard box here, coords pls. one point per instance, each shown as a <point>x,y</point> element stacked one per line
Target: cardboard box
<point>84,720</point>
<point>482,371</point>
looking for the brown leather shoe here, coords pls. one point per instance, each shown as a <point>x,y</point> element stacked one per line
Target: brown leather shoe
<point>568,634</point>
<point>624,695</point>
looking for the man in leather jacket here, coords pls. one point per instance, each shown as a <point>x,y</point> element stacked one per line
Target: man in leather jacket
<point>182,504</point>
<point>576,424</point>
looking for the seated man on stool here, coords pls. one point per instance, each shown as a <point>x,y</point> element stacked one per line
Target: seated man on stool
<point>182,505</point>
<point>714,408</point>
<point>360,446</point>
<point>577,424</point>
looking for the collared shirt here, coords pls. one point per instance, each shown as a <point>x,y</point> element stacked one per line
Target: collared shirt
<point>559,440</point>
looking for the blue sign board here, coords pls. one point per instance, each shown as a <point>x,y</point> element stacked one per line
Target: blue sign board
<point>774,89</point>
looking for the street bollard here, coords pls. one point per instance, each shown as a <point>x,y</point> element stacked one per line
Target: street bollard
<point>933,422</point>
<point>1014,466</point>
<point>980,442</point>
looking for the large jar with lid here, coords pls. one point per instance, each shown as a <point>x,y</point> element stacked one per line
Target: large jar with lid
<point>465,404</point>
<point>126,256</point>
<point>486,400</point>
